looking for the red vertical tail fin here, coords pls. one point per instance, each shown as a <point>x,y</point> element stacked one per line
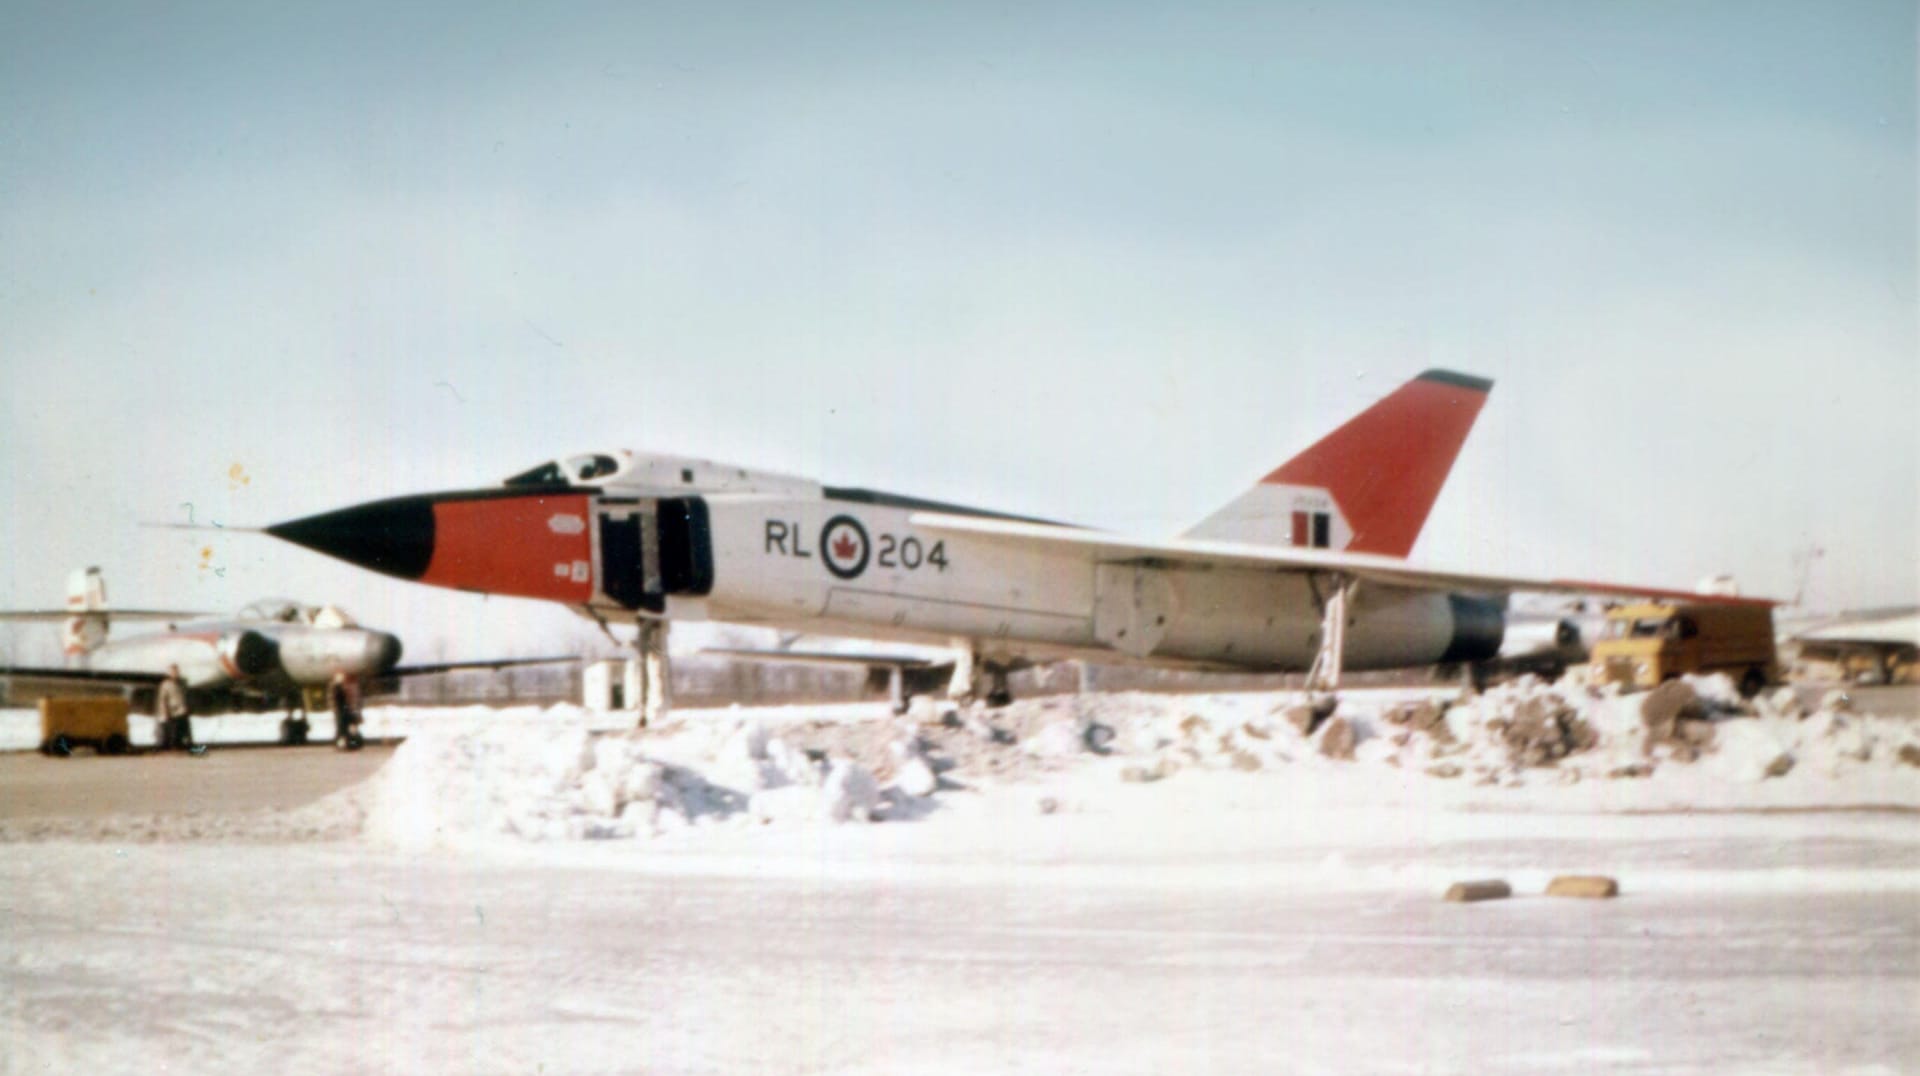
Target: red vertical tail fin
<point>86,626</point>
<point>1368,486</point>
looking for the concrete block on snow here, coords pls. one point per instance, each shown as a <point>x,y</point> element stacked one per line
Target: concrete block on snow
<point>1587,886</point>
<point>1485,889</point>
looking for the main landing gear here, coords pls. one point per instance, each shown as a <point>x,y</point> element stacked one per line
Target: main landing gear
<point>1321,691</point>
<point>901,681</point>
<point>975,678</point>
<point>897,697</point>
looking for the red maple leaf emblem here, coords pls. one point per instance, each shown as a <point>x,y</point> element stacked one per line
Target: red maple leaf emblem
<point>844,547</point>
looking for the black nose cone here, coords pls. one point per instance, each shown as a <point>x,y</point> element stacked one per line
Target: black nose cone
<point>392,536</point>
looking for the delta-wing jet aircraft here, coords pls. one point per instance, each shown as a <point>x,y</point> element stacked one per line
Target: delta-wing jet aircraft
<point>269,652</point>
<point>1305,571</point>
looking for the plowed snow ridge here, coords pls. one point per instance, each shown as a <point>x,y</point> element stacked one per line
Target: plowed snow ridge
<point>515,776</point>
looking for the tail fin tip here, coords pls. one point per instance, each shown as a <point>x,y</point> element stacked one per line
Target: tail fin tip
<point>1457,379</point>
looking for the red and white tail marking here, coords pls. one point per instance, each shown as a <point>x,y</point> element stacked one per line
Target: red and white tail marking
<point>1368,486</point>
<point>86,629</point>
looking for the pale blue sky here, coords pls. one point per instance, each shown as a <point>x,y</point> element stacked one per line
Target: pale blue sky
<point>1090,262</point>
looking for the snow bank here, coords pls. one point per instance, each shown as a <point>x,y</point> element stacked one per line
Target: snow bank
<point>532,775</point>
<point>549,776</point>
<point>1695,741</point>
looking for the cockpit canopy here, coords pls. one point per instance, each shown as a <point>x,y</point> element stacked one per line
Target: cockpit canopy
<point>656,473</point>
<point>287,611</point>
<point>588,468</point>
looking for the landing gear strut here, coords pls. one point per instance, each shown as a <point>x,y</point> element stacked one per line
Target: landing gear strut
<point>655,694</point>
<point>897,698</point>
<point>1478,676</point>
<point>1323,679</point>
<point>968,673</point>
<point>998,693</point>
<point>294,727</point>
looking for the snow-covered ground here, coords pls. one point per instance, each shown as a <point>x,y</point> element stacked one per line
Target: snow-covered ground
<point>20,728</point>
<point>1208,891</point>
<point>489,776</point>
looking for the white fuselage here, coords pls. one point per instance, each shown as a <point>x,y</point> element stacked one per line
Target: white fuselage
<point>859,567</point>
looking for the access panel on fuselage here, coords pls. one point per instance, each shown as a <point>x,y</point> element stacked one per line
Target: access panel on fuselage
<point>686,546</point>
<point>652,549</point>
<point>621,575</point>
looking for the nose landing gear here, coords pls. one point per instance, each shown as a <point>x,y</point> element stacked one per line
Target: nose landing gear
<point>294,728</point>
<point>655,695</point>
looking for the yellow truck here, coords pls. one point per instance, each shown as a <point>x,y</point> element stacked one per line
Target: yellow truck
<point>1646,644</point>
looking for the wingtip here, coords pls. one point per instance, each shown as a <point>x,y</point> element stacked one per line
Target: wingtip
<point>1458,379</point>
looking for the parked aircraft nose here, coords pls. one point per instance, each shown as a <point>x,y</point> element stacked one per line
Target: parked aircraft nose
<point>527,544</point>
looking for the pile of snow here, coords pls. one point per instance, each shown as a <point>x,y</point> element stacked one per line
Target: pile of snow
<point>537,775</point>
<point>536,779</point>
<point>913,772</point>
<point>1522,733</point>
<point>786,783</point>
<point>548,776</point>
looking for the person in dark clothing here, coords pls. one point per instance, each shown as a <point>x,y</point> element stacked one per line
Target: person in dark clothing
<point>176,716</point>
<point>343,695</point>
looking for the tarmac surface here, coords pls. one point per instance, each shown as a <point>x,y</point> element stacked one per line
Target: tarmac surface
<point>223,779</point>
<point>341,958</point>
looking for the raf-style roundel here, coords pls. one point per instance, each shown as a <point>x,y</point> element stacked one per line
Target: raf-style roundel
<point>844,547</point>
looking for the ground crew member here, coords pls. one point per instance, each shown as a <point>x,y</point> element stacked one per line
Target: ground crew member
<point>176,717</point>
<point>343,694</point>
